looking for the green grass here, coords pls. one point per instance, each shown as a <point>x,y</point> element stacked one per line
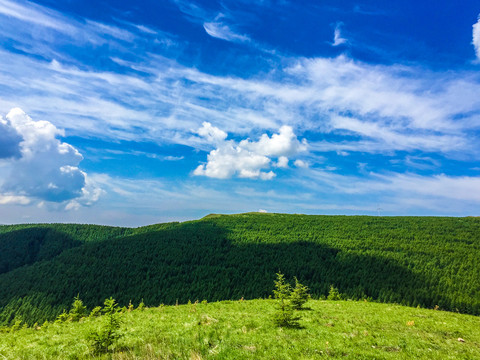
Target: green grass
<point>244,330</point>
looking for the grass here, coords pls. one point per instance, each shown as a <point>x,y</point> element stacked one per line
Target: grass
<point>245,330</point>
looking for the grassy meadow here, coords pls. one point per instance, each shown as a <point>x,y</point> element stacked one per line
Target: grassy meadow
<point>245,330</point>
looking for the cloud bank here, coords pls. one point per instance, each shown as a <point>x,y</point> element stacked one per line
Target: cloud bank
<point>37,166</point>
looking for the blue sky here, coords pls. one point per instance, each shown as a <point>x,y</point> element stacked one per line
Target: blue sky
<point>126,113</point>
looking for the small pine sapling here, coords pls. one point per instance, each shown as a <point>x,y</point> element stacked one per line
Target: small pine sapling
<point>284,315</point>
<point>78,310</point>
<point>300,295</point>
<point>17,324</point>
<point>96,311</point>
<point>63,317</point>
<point>107,336</point>
<point>333,294</point>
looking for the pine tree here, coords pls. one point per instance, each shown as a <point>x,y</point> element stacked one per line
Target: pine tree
<point>299,295</point>
<point>104,339</point>
<point>284,316</point>
<point>333,294</point>
<point>78,310</point>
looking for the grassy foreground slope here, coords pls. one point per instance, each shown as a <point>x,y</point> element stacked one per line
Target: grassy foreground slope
<point>244,330</point>
<point>413,261</point>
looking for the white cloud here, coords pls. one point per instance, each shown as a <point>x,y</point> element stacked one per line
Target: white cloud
<point>14,199</point>
<point>284,143</point>
<point>34,14</point>
<point>46,168</point>
<point>300,163</point>
<point>398,186</point>
<point>247,159</point>
<point>337,36</point>
<point>230,160</point>
<point>212,133</point>
<point>282,162</point>
<point>476,38</point>
<point>220,30</point>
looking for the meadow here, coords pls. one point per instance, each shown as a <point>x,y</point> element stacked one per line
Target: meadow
<point>245,330</point>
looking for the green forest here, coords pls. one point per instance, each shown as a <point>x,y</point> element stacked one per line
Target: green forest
<point>431,262</point>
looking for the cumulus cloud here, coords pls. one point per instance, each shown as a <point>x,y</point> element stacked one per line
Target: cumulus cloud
<point>476,38</point>
<point>284,143</point>
<point>282,162</point>
<point>300,163</point>
<point>212,133</point>
<point>248,159</point>
<point>45,168</point>
<point>9,140</point>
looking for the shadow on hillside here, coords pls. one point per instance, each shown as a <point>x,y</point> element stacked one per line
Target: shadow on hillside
<point>31,244</point>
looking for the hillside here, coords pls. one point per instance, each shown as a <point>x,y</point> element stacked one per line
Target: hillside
<point>244,330</point>
<point>424,261</point>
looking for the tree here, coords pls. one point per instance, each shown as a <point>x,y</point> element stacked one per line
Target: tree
<point>333,294</point>
<point>284,316</point>
<point>78,310</point>
<point>299,296</point>
<point>106,337</point>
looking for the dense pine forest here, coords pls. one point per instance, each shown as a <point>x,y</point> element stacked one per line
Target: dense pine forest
<point>417,261</point>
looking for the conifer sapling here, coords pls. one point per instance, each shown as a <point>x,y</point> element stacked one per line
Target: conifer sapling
<point>284,316</point>
<point>299,295</point>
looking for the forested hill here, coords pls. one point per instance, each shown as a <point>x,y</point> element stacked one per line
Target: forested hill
<point>424,261</point>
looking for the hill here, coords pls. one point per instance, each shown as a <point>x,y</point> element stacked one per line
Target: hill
<point>426,261</point>
<point>244,330</point>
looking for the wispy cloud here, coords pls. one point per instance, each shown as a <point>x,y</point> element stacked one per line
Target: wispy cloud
<point>390,107</point>
<point>361,9</point>
<point>222,31</point>
<point>35,14</point>
<point>476,38</point>
<point>220,26</point>
<point>337,36</point>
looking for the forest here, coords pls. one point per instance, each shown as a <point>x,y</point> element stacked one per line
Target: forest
<point>431,262</point>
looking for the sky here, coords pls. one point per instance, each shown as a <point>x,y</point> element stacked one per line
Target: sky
<point>132,113</point>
